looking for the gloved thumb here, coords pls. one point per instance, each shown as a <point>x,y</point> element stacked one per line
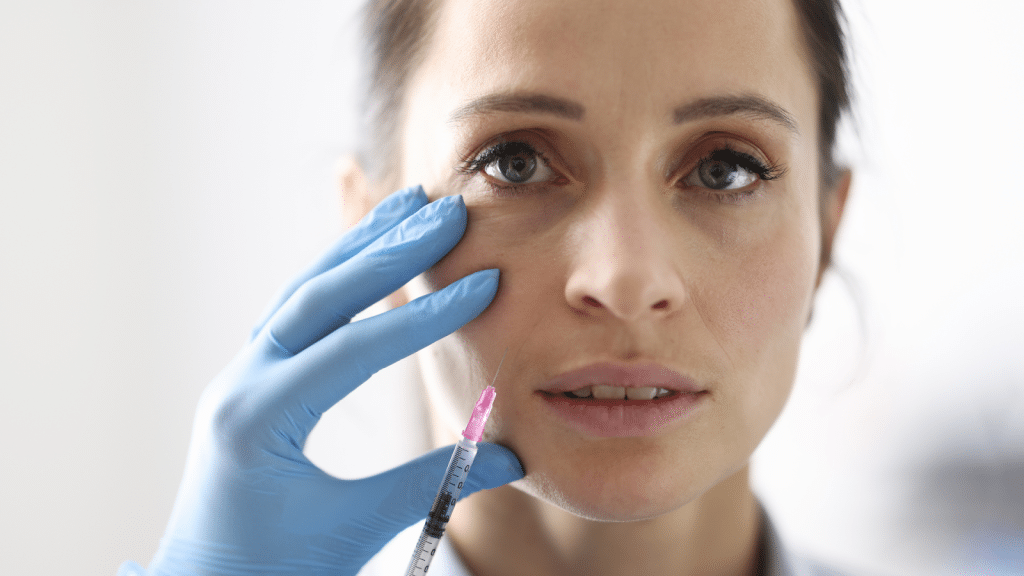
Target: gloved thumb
<point>403,495</point>
<point>494,466</point>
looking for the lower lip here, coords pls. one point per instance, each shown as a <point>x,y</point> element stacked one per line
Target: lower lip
<point>622,418</point>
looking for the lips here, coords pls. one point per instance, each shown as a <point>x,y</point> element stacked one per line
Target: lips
<point>638,376</point>
<point>612,400</point>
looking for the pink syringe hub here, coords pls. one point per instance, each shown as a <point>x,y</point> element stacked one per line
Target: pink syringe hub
<point>475,429</point>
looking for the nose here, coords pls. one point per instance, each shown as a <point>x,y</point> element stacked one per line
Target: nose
<point>623,263</point>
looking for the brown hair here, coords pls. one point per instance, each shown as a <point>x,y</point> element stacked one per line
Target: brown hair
<point>396,30</point>
<point>394,34</point>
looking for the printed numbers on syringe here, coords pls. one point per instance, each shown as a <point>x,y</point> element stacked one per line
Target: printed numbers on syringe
<point>458,472</point>
<point>423,558</point>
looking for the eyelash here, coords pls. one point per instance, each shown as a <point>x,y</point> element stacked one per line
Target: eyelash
<point>724,153</point>
<point>744,160</point>
<point>728,155</point>
<point>477,164</point>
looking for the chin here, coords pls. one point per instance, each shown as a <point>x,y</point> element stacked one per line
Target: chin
<point>604,499</point>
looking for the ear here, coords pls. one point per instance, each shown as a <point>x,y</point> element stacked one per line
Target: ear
<point>357,200</point>
<point>833,202</point>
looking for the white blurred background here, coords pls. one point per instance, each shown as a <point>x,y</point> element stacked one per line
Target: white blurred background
<point>166,165</point>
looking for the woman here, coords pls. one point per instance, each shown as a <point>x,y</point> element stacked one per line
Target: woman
<point>653,182</point>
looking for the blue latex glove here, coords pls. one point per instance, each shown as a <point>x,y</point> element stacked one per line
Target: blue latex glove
<point>250,502</point>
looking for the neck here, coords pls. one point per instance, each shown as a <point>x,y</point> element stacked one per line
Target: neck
<point>508,532</point>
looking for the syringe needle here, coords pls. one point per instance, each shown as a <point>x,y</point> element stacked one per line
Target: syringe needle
<point>454,479</point>
<point>502,361</point>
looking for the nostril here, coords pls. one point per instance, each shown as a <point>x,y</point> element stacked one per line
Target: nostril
<point>660,305</point>
<point>591,301</point>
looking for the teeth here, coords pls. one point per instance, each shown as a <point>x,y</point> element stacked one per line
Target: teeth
<point>581,393</point>
<point>602,392</point>
<point>645,393</point>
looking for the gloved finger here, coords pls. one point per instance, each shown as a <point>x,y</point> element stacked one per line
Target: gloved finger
<point>331,299</point>
<point>403,495</point>
<point>330,369</point>
<point>386,215</point>
<point>129,568</point>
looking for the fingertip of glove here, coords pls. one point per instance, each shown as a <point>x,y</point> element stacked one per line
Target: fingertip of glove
<point>500,466</point>
<point>418,191</point>
<point>450,206</point>
<point>397,206</point>
<point>413,193</point>
<point>476,292</point>
<point>129,568</point>
<point>444,218</point>
<point>485,282</point>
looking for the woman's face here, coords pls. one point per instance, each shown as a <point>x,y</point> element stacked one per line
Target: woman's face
<point>644,175</point>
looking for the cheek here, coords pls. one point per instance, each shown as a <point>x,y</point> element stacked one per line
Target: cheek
<point>757,303</point>
<point>521,239</point>
<point>767,297</point>
<point>756,288</point>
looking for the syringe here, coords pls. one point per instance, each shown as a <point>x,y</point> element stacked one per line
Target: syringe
<point>451,486</point>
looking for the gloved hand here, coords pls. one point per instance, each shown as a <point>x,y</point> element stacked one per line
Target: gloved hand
<point>250,502</point>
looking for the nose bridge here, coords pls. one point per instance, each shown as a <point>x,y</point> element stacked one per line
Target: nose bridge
<point>624,265</point>
<point>626,222</point>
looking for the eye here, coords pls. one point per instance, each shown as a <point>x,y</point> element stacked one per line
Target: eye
<point>514,163</point>
<point>727,169</point>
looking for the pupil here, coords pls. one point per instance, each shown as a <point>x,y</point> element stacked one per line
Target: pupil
<point>517,168</point>
<point>717,174</point>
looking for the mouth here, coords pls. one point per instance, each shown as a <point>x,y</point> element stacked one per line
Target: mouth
<point>613,400</point>
<point>608,392</point>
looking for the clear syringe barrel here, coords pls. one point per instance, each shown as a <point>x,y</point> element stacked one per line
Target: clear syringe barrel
<point>441,511</point>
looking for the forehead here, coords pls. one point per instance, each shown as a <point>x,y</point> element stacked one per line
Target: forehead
<point>626,55</point>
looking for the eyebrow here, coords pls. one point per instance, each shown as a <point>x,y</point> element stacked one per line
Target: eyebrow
<point>749,105</point>
<point>520,103</point>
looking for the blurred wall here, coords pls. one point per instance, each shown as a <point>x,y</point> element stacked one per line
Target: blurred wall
<point>166,166</point>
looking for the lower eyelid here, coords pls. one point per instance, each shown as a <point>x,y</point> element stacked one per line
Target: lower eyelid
<point>732,198</point>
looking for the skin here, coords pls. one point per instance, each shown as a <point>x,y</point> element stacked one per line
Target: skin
<point>619,258</point>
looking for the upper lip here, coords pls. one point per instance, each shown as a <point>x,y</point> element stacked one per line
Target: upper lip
<point>622,375</point>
